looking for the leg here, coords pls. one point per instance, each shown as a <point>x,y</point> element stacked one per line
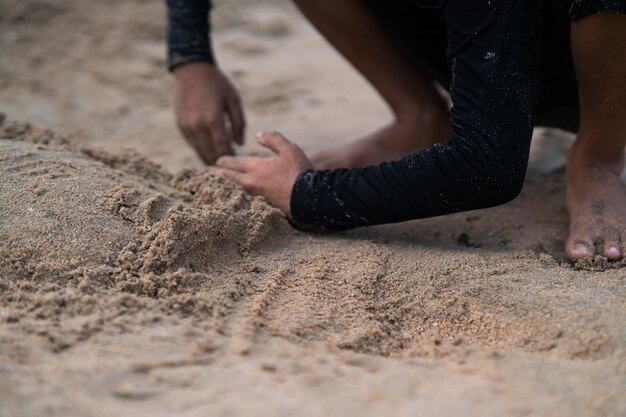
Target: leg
<point>421,114</point>
<point>596,198</point>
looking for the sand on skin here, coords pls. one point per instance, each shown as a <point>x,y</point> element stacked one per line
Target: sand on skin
<point>130,288</point>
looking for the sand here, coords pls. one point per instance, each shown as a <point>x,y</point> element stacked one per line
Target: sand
<point>132,282</point>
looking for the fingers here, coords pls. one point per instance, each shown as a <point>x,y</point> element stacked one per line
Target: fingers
<point>220,138</point>
<point>241,164</point>
<point>234,176</point>
<point>275,142</point>
<point>209,138</point>
<point>200,141</point>
<point>207,134</point>
<point>236,117</point>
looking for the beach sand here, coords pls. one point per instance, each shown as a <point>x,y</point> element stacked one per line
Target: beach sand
<point>134,283</point>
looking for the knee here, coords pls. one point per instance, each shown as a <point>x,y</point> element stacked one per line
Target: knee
<point>506,187</point>
<point>498,165</point>
<point>503,180</point>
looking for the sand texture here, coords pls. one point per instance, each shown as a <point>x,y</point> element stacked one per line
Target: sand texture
<point>132,282</point>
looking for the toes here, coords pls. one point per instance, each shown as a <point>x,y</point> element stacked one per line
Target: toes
<point>612,250</point>
<point>579,248</point>
<point>611,247</point>
<point>582,244</point>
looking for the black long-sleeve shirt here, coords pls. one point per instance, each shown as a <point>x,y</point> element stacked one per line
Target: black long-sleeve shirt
<point>495,50</point>
<point>188,32</point>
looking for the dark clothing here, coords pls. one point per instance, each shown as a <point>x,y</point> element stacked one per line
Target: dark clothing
<point>582,8</point>
<point>188,32</point>
<point>493,56</point>
<point>423,36</point>
<point>494,49</point>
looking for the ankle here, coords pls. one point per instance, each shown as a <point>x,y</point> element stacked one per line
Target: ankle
<point>584,157</point>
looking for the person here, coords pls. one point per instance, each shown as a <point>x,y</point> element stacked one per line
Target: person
<point>508,66</point>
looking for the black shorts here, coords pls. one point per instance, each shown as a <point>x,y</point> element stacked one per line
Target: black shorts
<point>417,26</point>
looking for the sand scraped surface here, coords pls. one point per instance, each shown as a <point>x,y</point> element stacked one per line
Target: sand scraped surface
<point>134,283</point>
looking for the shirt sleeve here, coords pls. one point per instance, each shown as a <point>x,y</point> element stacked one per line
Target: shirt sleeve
<point>495,50</point>
<point>188,32</point>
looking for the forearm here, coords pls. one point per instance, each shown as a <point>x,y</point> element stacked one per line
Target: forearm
<point>458,175</point>
<point>188,36</point>
<point>495,47</point>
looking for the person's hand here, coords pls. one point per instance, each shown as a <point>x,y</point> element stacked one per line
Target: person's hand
<point>271,177</point>
<point>204,98</point>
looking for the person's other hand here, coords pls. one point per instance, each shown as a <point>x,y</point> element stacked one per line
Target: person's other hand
<point>271,177</point>
<point>204,100</point>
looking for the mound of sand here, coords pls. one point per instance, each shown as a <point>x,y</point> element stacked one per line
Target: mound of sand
<point>82,214</point>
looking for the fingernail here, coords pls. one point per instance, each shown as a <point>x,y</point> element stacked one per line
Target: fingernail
<point>259,134</point>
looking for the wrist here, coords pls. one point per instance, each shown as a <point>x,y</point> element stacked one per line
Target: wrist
<point>286,208</point>
<point>192,68</point>
<point>176,59</point>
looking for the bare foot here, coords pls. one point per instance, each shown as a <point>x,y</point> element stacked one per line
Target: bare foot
<point>392,142</point>
<point>596,201</point>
